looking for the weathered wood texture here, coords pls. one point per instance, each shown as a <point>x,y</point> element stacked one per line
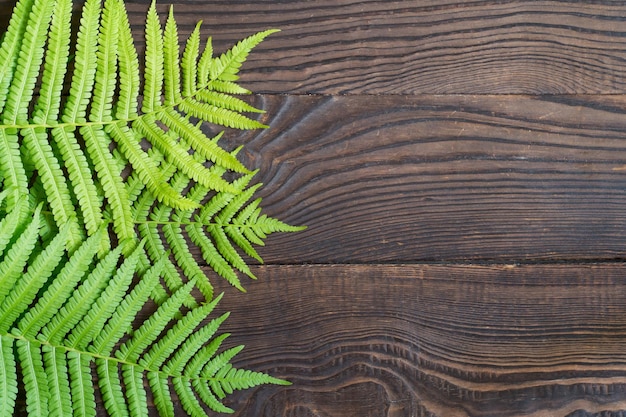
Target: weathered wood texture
<point>443,178</point>
<point>423,176</point>
<point>424,340</point>
<point>421,47</point>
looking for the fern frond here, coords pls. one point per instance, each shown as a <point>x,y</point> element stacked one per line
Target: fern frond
<point>12,168</point>
<point>122,317</point>
<point>224,225</point>
<point>55,338</point>
<point>60,134</point>
<point>9,50</point>
<point>109,173</point>
<point>206,147</point>
<point>219,115</point>
<point>106,64</point>
<point>229,379</point>
<point>61,289</point>
<point>150,330</point>
<point>98,132</point>
<point>134,391</point>
<point>82,299</point>
<point>160,351</point>
<point>102,198</point>
<point>111,388</point>
<point>15,217</point>
<point>89,199</point>
<point>104,306</point>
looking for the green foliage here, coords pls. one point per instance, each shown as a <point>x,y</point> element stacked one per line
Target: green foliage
<point>67,319</point>
<point>109,182</point>
<point>97,155</point>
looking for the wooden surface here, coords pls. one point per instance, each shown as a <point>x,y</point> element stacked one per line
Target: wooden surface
<point>462,170</point>
<point>435,340</point>
<point>461,166</point>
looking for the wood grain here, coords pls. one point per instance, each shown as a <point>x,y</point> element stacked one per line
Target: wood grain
<point>434,340</point>
<point>443,178</point>
<point>419,47</point>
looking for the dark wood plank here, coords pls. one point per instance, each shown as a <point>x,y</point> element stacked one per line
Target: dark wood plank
<point>433,340</point>
<point>425,47</point>
<point>419,47</point>
<point>443,178</point>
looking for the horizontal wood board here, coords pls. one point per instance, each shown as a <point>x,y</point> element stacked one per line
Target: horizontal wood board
<point>420,47</point>
<point>443,178</point>
<point>434,340</point>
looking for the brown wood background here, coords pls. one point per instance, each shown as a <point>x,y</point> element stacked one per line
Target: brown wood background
<point>461,166</point>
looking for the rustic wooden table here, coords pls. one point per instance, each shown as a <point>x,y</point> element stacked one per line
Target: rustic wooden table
<point>461,166</point>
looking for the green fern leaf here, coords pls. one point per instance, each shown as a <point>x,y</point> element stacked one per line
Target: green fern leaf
<point>190,403</point>
<point>129,80</point>
<point>150,330</point>
<point>128,308</point>
<point>223,224</point>
<point>111,388</point>
<point>135,393</point>
<point>34,377</point>
<point>98,132</point>
<point>8,376</point>
<point>81,385</point>
<point>104,306</point>
<point>89,199</point>
<point>82,299</point>
<point>81,256</point>
<point>11,166</point>
<point>171,62</point>
<point>226,67</point>
<point>83,77</point>
<point>55,365</point>
<point>48,337</point>
<point>39,271</point>
<point>58,195</point>
<point>60,290</point>
<point>107,87</point>
<point>153,85</point>
<point>189,62</point>
<point>159,385</point>
<point>16,258</point>
<point>161,350</point>
<point>219,115</point>
<point>30,57</point>
<point>49,101</point>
